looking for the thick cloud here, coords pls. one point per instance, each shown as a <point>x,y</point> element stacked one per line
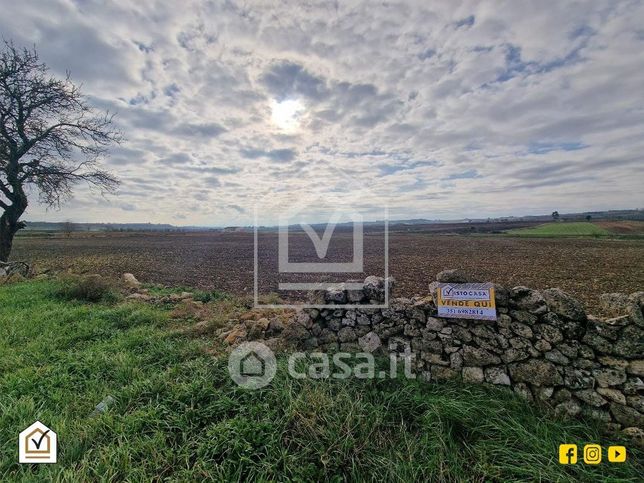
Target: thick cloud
<point>439,109</point>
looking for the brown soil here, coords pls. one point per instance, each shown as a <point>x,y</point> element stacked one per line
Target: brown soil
<point>224,261</point>
<point>623,227</point>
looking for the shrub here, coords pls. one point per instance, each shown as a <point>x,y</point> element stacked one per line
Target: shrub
<point>88,288</point>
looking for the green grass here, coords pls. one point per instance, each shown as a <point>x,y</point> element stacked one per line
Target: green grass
<point>561,229</point>
<point>179,417</point>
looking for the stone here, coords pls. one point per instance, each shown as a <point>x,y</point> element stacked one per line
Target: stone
<point>435,359</point>
<point>304,319</point>
<point>374,288</point>
<point>563,304</point>
<point>524,317</point>
<point>528,299</point>
<point>336,294</point>
<point>523,390</point>
<point>633,386</point>
<point>522,330</point>
<point>597,342</point>
<point>473,356</point>
<point>311,343</point>
<point>442,373</point>
<point>549,333</point>
<point>562,395</point>
<point>334,324</point>
<point>327,336</point>
<point>630,343</point>
<point>578,378</point>
<point>363,319</point>
<point>612,395</point>
<point>504,320</point>
<point>456,360</point>
<point>587,352</point>
<point>537,371</point>
<point>347,334</point>
<point>557,357</point>
<point>636,367</point>
<point>637,298</point>
<point>462,334</point>
<point>473,375</point>
<point>501,295</point>
<point>609,377</point>
<point>256,328</point>
<point>543,393</point>
<point>412,330</point>
<point>296,332</point>
<point>276,326</point>
<point>636,402</point>
<point>569,350</point>
<point>514,355</point>
<point>434,324</point>
<point>16,271</point>
<point>627,416</point>
<point>585,364</point>
<point>483,332</point>
<point>497,375</point>
<point>615,304</point>
<point>590,397</point>
<point>130,281</point>
<point>139,296</point>
<point>355,296</point>
<point>568,408</point>
<point>347,322</point>
<point>238,333</point>
<point>453,276</point>
<point>370,342</point>
<point>542,345</point>
<point>361,330</point>
<point>613,362</point>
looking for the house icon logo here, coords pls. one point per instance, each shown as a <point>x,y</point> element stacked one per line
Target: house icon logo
<point>252,365</point>
<point>37,444</point>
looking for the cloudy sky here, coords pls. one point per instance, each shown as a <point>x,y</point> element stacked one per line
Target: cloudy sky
<point>437,109</point>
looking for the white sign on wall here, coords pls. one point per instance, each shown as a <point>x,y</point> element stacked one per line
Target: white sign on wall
<point>466,301</point>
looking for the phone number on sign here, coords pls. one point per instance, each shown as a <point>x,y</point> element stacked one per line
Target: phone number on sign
<point>446,310</point>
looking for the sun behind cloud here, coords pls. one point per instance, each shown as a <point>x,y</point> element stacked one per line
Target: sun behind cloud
<point>286,115</point>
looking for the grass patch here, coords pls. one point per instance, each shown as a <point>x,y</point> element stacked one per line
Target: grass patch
<point>561,229</point>
<point>178,416</point>
<point>204,296</point>
<point>87,288</point>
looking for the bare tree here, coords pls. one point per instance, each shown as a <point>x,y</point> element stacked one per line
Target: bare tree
<point>50,139</point>
<point>67,227</point>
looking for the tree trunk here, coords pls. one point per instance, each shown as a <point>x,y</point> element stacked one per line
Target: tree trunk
<point>6,238</point>
<point>10,224</point>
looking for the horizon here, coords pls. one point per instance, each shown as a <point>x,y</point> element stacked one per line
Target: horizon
<point>371,221</point>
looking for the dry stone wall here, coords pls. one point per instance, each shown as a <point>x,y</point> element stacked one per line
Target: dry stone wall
<point>543,345</point>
